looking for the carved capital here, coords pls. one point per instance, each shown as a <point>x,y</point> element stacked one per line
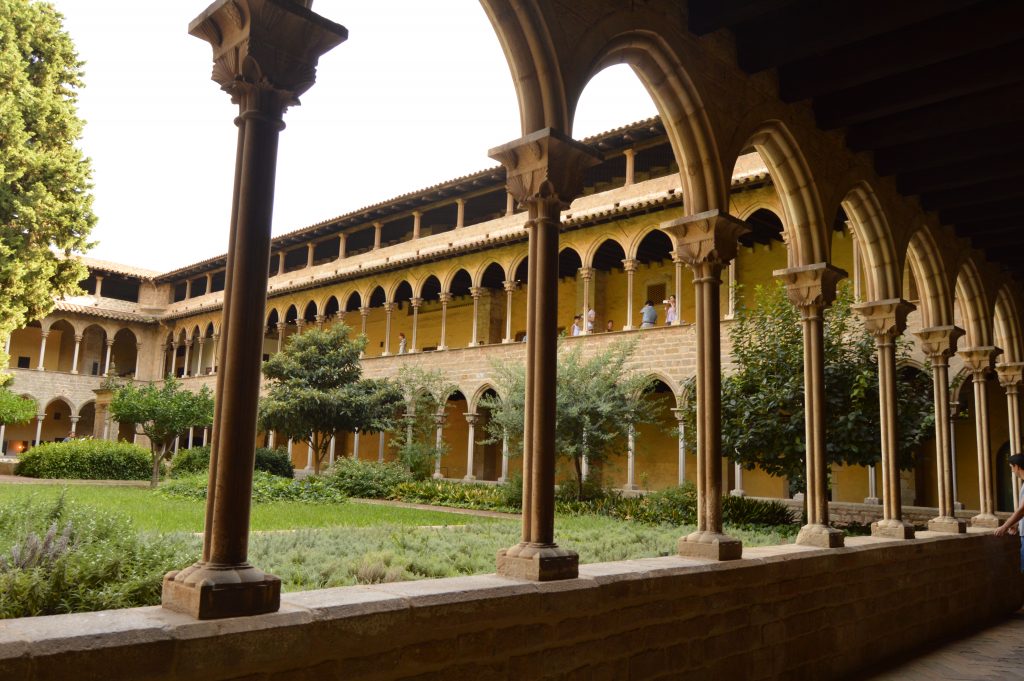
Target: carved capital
<point>1010,374</point>
<point>979,360</point>
<point>705,238</point>
<point>364,311</point>
<point>585,272</point>
<point>389,307</point>
<point>444,296</point>
<point>510,286</point>
<point>885,318</point>
<point>476,291</point>
<point>265,52</point>
<point>78,337</point>
<point>811,286</point>
<point>281,327</point>
<point>545,167</point>
<point>939,342</point>
<point>472,419</point>
<point>630,264</point>
<point>439,418</point>
<point>415,302</point>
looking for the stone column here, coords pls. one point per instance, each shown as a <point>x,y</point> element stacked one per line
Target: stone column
<point>188,289</point>
<point>199,356</point>
<point>378,227</point>
<point>106,360</point>
<point>1010,375</point>
<point>364,312</point>
<point>475,292</point>
<point>678,262</point>
<point>504,458</point>
<point>586,274</point>
<point>216,351</point>
<point>388,308</point>
<point>630,155</point>
<point>78,348</point>
<point>330,451</point>
<point>886,320</point>
<point>300,324</point>
<point>186,370</point>
<point>460,213</point>
<point>264,76</point>
<point>309,458</point>
<point>209,283</point>
<point>979,362</point>
<point>380,447</point>
<point>417,224</point>
<point>74,426</point>
<point>191,434</point>
<point>3,432</point>
<point>415,302</point>
<point>355,445</point>
<point>872,497</point>
<point>631,458</point>
<point>271,437</point>
<point>510,204</point>
<point>510,288</point>
<point>310,249</point>
<point>280,266</point>
<point>320,319</point>
<point>444,297</point>
<point>342,238</point>
<point>43,335</point>
<point>544,172</point>
<point>629,266</point>
<point>812,288</point>
<point>939,344</point>
<point>39,428</point>
<point>439,419</point>
<point>281,328</point>
<point>99,286</point>
<point>737,490</point>
<point>206,435</point>
<point>680,415</point>
<point>706,242</point>
<point>472,420</point>
<point>174,359</point>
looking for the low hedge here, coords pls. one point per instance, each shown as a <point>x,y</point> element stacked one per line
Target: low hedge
<point>86,460</point>
<point>266,488</point>
<point>368,479</point>
<point>197,460</point>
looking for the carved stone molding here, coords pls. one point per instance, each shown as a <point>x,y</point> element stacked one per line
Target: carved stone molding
<point>980,360</point>
<point>811,285</point>
<point>705,238</point>
<point>939,342</point>
<point>885,318</point>
<point>545,165</point>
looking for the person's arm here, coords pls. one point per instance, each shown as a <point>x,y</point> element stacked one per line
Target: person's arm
<point>1011,521</point>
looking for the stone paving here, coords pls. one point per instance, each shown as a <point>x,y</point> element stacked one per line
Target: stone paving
<point>992,654</point>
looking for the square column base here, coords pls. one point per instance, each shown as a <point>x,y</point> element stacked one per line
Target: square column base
<point>211,593</point>
<point>710,545</point>
<point>892,529</point>
<point>469,478</point>
<point>985,520</point>
<point>947,524</point>
<point>874,501</point>
<point>538,562</point>
<point>822,536</point>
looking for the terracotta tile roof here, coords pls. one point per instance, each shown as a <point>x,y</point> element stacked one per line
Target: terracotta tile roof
<point>105,313</point>
<point>117,268</point>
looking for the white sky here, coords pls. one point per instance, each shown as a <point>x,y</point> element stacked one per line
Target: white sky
<point>417,95</point>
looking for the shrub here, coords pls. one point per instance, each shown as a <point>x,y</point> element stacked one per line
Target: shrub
<point>63,558</point>
<point>368,479</point>
<point>197,460</point>
<point>86,460</point>
<point>448,493</point>
<point>512,492</point>
<point>266,488</point>
<point>747,511</point>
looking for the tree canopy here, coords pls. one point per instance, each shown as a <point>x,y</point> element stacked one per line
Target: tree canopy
<point>14,408</point>
<point>597,401</point>
<point>161,413</point>
<point>763,395</point>
<point>316,390</point>
<point>45,200</point>
<point>425,394</point>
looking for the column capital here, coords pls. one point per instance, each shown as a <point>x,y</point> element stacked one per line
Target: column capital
<point>679,413</point>
<point>46,334</point>
<point>416,302</point>
<point>79,337</point>
<point>472,418</point>
<point>585,272</point>
<point>281,326</point>
<point>74,419</point>
<point>705,238</point>
<point>187,343</point>
<point>265,52</point>
<point>1010,373</point>
<point>630,264</point>
<point>939,342</point>
<point>440,418</point>
<point>510,286</point>
<point>476,291</point>
<point>980,359</point>
<point>444,296</point>
<point>364,311</point>
<point>811,286</point>
<point>885,318</point>
<point>389,307</point>
<point>545,165</point>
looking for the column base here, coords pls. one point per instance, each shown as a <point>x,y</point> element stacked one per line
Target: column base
<point>206,592</point>
<point>985,520</point>
<point>439,348</point>
<point>892,528</point>
<point>947,524</point>
<point>632,487</point>
<point>629,327</point>
<point>473,345</point>
<point>437,476</point>
<point>874,501</point>
<point>501,480</point>
<point>469,478</point>
<point>957,506</point>
<point>506,341</point>
<point>737,493</point>
<point>538,562</point>
<point>385,354</point>
<point>711,545</point>
<point>822,536</point>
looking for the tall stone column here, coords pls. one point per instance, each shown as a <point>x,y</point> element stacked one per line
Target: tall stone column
<point>3,446</point>
<point>629,266</point>
<point>886,320</point>
<point>265,54</point>
<point>979,362</point>
<point>630,155</point>
<point>439,419</point>
<point>1010,375</point>
<point>471,420</point>
<point>388,309</point>
<point>42,350</point>
<point>545,172</point>
<point>39,428</point>
<point>680,415</point>
<point>342,239</point>
<point>216,351</point>
<point>106,359</point>
<point>939,344</point>
<point>475,293</point>
<point>74,426</point>
<point>187,369</point>
<point>280,266</point>
<point>355,445</point>
<point>631,458</point>
<point>364,312</point>
<point>706,242</point>
<point>460,213</point>
<point>281,328</point>
<point>320,319</point>
<point>510,288</point>
<point>811,289</point>
<point>415,303</point>
<point>504,457</point>
<point>78,349</point>
<point>199,356</point>
<point>444,297</point>
<point>378,227</point>
<point>174,359</point>
<point>586,274</point>
<point>417,223</point>
<point>310,249</point>
<point>678,262</point>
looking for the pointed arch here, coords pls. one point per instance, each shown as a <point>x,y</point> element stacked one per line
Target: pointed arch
<point>975,307</point>
<point>935,286</point>
<point>1008,325</point>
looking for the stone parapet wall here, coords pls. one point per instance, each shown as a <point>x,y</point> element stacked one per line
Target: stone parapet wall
<point>865,514</point>
<point>44,386</point>
<point>782,612</point>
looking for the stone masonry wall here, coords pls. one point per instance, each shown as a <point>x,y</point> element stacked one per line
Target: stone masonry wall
<point>781,612</point>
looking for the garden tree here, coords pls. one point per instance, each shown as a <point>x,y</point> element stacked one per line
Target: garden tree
<point>45,200</point>
<point>316,390</point>
<point>14,408</point>
<point>763,396</point>
<point>597,401</point>
<point>425,394</point>
<point>161,413</point>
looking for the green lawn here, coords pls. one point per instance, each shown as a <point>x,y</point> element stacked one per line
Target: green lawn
<point>155,513</point>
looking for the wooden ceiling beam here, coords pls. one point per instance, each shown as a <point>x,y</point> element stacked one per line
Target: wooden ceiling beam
<point>707,16</point>
<point>955,176</point>
<point>1010,188</point>
<point>998,210</point>
<point>974,145</point>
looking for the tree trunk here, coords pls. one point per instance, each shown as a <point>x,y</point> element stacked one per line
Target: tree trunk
<point>157,458</point>
<point>578,462</point>
<point>314,447</point>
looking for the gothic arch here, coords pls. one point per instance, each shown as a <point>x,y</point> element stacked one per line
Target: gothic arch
<point>935,286</point>
<point>870,225</point>
<point>975,307</point>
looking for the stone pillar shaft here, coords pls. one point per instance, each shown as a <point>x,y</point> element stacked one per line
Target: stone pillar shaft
<point>979,361</point>
<point>78,348</point>
<point>415,302</point>
<point>475,292</point>
<point>471,421</point>
<point>631,458</point>
<point>678,290</point>
<point>629,266</point>
<point>630,155</point>
<point>42,351</point>
<point>39,428</point>
<point>388,308</point>
<point>186,370</point>
<point>586,274</point>
<point>444,297</point>
<point>439,418</point>
<point>680,415</point>
<point>510,287</point>
<point>460,215</point>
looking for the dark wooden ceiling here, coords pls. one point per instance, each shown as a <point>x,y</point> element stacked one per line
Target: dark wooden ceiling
<point>933,88</point>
